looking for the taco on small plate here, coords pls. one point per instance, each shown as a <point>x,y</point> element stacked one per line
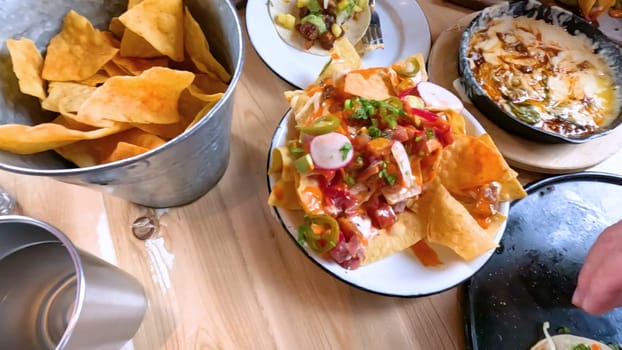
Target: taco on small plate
<point>314,25</point>
<point>567,342</point>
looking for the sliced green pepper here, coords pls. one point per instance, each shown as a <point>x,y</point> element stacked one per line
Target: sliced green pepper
<point>322,125</point>
<point>409,68</point>
<point>319,243</point>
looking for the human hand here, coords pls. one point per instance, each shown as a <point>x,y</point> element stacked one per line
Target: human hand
<point>599,287</point>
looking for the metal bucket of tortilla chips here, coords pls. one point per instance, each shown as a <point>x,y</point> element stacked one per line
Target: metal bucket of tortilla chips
<point>132,98</point>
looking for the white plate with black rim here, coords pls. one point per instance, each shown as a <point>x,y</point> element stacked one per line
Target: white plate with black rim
<point>405,31</point>
<point>401,274</point>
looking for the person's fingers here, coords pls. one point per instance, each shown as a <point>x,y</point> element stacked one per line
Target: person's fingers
<point>593,262</point>
<point>604,290</point>
<point>598,284</point>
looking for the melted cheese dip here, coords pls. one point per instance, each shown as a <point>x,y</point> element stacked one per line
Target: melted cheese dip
<point>544,76</point>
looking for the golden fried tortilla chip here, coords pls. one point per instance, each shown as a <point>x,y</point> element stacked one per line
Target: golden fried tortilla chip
<point>107,149</point>
<point>469,163</point>
<point>160,23</point>
<point>116,27</point>
<point>197,47</point>
<point>136,65</point>
<point>188,107</point>
<point>151,97</point>
<point>26,139</point>
<point>209,84</point>
<point>113,70</point>
<point>99,78</point>
<point>407,230</point>
<point>371,83</point>
<point>70,95</point>
<point>77,52</point>
<point>27,63</point>
<point>344,57</point>
<point>511,188</point>
<point>133,45</point>
<point>450,224</point>
<point>132,3</point>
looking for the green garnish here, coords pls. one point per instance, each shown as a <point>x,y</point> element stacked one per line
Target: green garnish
<point>581,347</point>
<point>304,164</point>
<point>324,241</point>
<point>563,330</point>
<point>384,174</point>
<point>349,180</point>
<point>316,20</point>
<point>296,151</point>
<point>345,149</point>
<point>374,131</point>
<point>429,133</point>
<point>347,104</point>
<point>322,125</point>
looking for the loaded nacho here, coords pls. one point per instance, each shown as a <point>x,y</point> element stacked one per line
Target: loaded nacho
<point>379,161</point>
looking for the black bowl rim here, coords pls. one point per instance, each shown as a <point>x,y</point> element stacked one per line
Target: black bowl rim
<point>501,117</point>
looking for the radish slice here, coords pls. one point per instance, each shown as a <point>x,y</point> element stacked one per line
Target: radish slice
<point>331,151</point>
<point>403,163</point>
<point>438,98</point>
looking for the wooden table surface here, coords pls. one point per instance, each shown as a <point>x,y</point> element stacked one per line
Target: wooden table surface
<point>222,274</point>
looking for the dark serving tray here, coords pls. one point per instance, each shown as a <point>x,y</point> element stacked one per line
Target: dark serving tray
<point>533,274</point>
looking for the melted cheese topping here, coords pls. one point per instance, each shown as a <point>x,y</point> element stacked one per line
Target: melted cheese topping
<point>544,76</point>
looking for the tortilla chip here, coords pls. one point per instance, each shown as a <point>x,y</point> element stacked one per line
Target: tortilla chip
<point>133,45</point>
<point>99,78</point>
<point>197,47</point>
<point>160,23</point>
<point>107,149</point>
<point>112,70</point>
<point>70,95</point>
<point>451,225</point>
<point>27,63</point>
<point>407,230</point>
<point>151,97</point>
<point>283,195</point>
<point>132,3</point>
<point>26,139</point>
<point>511,188</point>
<point>116,27</point>
<point>136,65</point>
<point>343,58</point>
<point>470,163</point>
<point>202,113</point>
<point>370,83</point>
<point>77,52</point>
<point>123,150</point>
<point>456,121</point>
<point>209,84</point>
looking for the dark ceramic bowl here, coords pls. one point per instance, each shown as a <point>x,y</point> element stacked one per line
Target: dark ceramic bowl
<point>554,15</point>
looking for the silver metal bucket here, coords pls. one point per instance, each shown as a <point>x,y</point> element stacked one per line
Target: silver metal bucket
<point>174,174</point>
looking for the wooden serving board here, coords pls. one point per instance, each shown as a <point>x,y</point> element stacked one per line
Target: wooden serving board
<point>519,152</point>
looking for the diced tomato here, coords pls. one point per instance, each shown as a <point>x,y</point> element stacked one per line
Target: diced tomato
<point>400,133</point>
<point>380,212</point>
<point>336,195</point>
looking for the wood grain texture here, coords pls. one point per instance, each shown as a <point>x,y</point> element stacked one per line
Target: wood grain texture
<point>222,274</point>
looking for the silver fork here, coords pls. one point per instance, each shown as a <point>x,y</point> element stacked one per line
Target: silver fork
<point>373,37</point>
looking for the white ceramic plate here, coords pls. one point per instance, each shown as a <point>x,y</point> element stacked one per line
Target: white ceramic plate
<point>400,274</point>
<point>404,27</point>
